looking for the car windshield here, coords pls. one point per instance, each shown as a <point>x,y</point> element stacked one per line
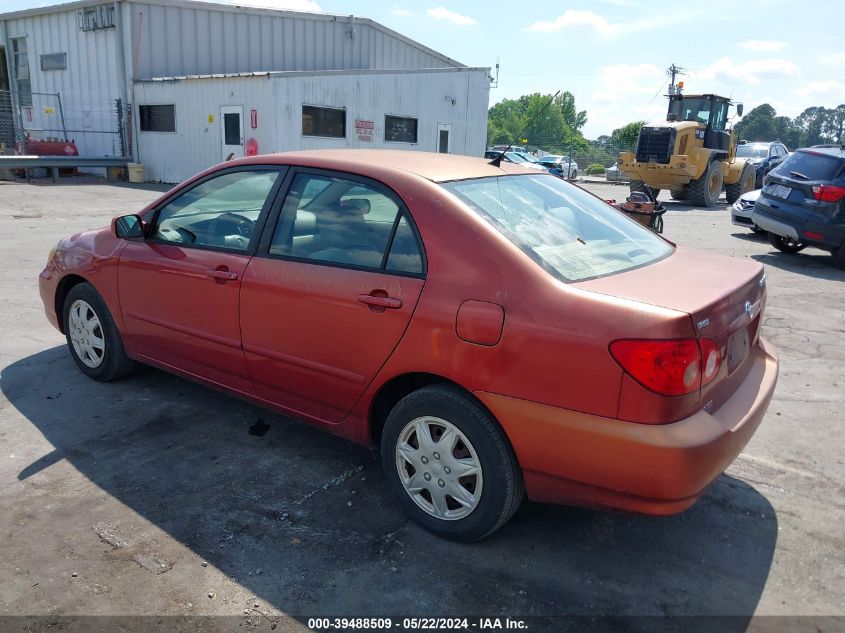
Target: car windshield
<point>570,233</point>
<point>752,151</point>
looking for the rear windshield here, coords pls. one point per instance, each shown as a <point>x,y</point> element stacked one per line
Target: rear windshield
<point>570,233</point>
<point>809,166</point>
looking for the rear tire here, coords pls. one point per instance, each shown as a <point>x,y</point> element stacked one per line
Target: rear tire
<point>424,475</point>
<point>679,194</point>
<point>785,244</point>
<point>705,191</point>
<point>92,336</point>
<point>743,185</point>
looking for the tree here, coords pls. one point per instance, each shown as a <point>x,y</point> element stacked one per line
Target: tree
<point>627,135</point>
<point>758,125</point>
<point>834,127</point>
<point>574,119</point>
<point>508,121</point>
<point>812,123</point>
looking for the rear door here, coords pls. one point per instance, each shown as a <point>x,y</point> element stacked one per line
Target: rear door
<point>330,293</point>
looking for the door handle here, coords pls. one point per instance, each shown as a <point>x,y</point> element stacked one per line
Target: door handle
<point>225,275</point>
<point>389,303</point>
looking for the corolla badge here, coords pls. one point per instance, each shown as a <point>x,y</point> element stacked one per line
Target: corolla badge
<point>749,309</point>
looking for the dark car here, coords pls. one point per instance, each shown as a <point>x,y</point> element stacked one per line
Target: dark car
<point>803,202</point>
<point>764,157</point>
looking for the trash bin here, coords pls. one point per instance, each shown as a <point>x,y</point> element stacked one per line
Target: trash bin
<point>136,172</point>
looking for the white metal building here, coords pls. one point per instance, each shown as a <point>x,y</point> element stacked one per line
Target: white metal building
<point>179,85</point>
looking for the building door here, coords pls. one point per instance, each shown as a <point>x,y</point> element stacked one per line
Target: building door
<point>232,118</point>
<point>444,132</point>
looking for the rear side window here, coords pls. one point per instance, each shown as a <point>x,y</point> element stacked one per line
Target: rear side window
<point>337,221</point>
<point>570,233</point>
<point>810,166</point>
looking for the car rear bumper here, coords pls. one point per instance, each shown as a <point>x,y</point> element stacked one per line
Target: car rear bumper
<point>577,458</point>
<point>768,223</point>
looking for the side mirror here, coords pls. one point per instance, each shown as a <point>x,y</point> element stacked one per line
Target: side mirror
<point>739,108</point>
<point>127,227</point>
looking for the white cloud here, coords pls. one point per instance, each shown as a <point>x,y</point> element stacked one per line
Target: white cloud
<point>608,30</point>
<point>628,80</point>
<point>442,13</point>
<point>762,46</point>
<point>573,17</point>
<point>287,5</point>
<point>402,13</point>
<point>831,90</point>
<point>750,72</point>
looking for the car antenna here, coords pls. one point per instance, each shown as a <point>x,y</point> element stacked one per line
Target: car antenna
<point>496,162</point>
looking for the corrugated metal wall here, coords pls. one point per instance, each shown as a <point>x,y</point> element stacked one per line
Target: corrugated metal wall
<point>278,100</point>
<point>89,86</point>
<point>182,40</point>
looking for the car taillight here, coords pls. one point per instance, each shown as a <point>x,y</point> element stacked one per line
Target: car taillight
<point>669,367</point>
<point>828,193</point>
<point>711,359</point>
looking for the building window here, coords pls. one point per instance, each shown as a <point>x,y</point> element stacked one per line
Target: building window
<point>318,121</point>
<point>20,63</point>
<point>157,118</point>
<point>54,61</point>
<point>96,18</point>
<point>400,129</point>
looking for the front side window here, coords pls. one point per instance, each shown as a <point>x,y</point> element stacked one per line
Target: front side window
<point>221,212</point>
<point>157,118</point>
<point>570,233</point>
<point>338,221</point>
<point>317,121</point>
<point>398,129</point>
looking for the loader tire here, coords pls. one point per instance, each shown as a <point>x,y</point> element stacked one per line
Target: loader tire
<point>705,191</point>
<point>745,184</point>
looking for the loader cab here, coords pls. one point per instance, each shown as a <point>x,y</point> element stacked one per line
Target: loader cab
<point>711,110</point>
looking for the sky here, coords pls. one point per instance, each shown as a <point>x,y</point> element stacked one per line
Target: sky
<point>613,54</point>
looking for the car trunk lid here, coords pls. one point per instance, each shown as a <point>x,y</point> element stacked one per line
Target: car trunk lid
<point>723,296</point>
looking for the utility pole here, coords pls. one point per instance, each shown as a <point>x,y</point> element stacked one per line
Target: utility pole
<point>673,71</point>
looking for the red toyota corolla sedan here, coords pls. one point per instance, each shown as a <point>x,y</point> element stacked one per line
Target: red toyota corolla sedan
<point>497,332</point>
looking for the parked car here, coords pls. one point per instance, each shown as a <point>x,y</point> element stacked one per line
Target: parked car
<point>803,202</point>
<point>566,164</point>
<point>764,157</point>
<point>496,332</point>
<point>514,157</point>
<point>742,209</point>
<point>614,174</point>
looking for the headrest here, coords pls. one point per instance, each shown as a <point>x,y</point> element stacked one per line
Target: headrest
<point>362,204</point>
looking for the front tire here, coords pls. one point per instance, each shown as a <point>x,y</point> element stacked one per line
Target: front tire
<point>705,191</point>
<point>839,257</point>
<point>92,336</point>
<point>450,465</point>
<point>785,244</point>
<point>743,185</point>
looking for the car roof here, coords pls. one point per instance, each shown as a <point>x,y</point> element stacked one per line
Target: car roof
<point>428,165</point>
<point>836,151</point>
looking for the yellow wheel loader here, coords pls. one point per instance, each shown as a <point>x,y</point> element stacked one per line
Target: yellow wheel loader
<point>691,154</point>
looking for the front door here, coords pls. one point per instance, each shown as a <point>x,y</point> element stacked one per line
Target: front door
<point>179,287</point>
<point>231,118</point>
<point>328,297</point>
<point>444,133</point>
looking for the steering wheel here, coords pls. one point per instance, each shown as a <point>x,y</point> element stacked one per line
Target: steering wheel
<point>231,229</point>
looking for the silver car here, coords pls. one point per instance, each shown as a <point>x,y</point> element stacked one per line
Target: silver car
<point>568,166</point>
<point>743,208</point>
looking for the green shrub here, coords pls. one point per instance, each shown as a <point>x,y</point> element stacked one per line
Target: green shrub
<point>595,169</point>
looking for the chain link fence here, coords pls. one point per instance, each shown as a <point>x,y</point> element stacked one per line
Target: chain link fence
<point>92,130</point>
